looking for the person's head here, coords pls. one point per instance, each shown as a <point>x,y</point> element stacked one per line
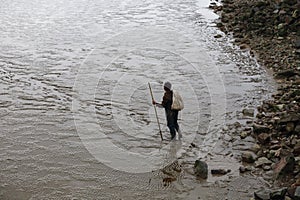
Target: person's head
<point>167,86</point>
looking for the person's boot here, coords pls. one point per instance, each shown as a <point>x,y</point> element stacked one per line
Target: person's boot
<point>173,135</point>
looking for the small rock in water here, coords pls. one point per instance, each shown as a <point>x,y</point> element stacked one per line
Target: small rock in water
<point>220,171</point>
<point>243,135</point>
<point>218,36</point>
<point>248,112</point>
<point>193,145</point>
<point>242,169</point>
<point>201,169</point>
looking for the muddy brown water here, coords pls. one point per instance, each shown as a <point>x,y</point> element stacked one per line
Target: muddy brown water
<point>76,120</point>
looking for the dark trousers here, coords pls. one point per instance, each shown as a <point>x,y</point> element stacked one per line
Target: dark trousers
<point>172,117</point>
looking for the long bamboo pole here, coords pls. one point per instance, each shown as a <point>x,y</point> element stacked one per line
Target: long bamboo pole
<point>155,112</point>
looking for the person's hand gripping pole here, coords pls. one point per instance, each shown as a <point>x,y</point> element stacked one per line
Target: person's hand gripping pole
<point>153,102</point>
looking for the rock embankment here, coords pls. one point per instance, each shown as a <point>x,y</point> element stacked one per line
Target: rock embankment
<point>270,29</point>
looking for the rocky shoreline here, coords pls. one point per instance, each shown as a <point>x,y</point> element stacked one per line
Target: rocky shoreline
<point>270,30</point>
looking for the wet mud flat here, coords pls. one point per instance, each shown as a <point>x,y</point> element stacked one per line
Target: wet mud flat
<point>56,87</point>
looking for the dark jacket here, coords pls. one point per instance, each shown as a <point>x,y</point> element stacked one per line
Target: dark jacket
<point>167,100</point>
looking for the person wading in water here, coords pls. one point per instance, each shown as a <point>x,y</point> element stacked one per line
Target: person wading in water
<point>172,115</point>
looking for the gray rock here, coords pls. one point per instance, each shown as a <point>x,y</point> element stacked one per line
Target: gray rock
<point>262,194</point>
<point>280,106</point>
<point>296,149</point>
<point>290,2</point>
<point>245,169</point>
<point>262,161</point>
<point>278,194</point>
<point>260,129</point>
<point>218,36</point>
<point>287,198</point>
<point>297,129</point>
<point>201,169</point>
<point>292,117</point>
<point>286,73</point>
<point>297,43</point>
<point>248,112</point>
<point>290,126</point>
<point>264,138</point>
<point>267,167</point>
<point>248,157</point>
<point>255,148</point>
<point>297,193</point>
<point>243,135</point>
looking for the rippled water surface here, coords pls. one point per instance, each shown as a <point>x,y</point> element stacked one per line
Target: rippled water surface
<point>76,120</point>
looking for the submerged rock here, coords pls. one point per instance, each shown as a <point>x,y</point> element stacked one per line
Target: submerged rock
<point>220,171</point>
<point>201,169</point>
<point>248,112</point>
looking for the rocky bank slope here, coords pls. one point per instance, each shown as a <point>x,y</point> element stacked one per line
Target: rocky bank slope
<point>270,29</point>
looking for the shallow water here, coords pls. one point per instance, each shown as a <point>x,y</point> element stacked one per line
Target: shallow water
<point>76,118</point>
